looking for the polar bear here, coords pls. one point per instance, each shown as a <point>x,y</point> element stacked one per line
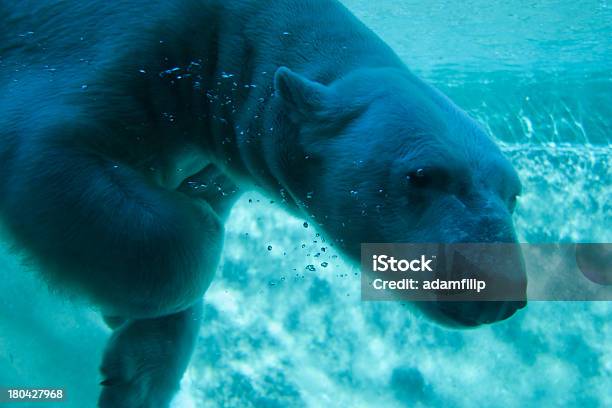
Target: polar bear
<point>128,129</point>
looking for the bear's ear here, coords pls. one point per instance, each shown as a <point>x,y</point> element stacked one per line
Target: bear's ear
<point>303,96</point>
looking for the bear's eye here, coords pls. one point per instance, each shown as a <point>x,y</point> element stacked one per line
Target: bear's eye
<point>437,178</point>
<point>419,178</point>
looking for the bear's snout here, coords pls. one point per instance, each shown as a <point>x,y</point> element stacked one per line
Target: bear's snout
<point>498,265</point>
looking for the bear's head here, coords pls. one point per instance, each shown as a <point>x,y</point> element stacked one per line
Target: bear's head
<point>383,157</point>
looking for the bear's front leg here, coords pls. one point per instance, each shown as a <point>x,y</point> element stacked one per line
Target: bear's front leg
<point>145,359</point>
<point>98,227</point>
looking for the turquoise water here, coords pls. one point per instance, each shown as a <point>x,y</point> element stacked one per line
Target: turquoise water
<point>538,75</point>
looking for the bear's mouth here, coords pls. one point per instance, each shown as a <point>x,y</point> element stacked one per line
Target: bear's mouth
<point>475,313</point>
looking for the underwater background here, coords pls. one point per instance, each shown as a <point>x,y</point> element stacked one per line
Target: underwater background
<point>286,327</point>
